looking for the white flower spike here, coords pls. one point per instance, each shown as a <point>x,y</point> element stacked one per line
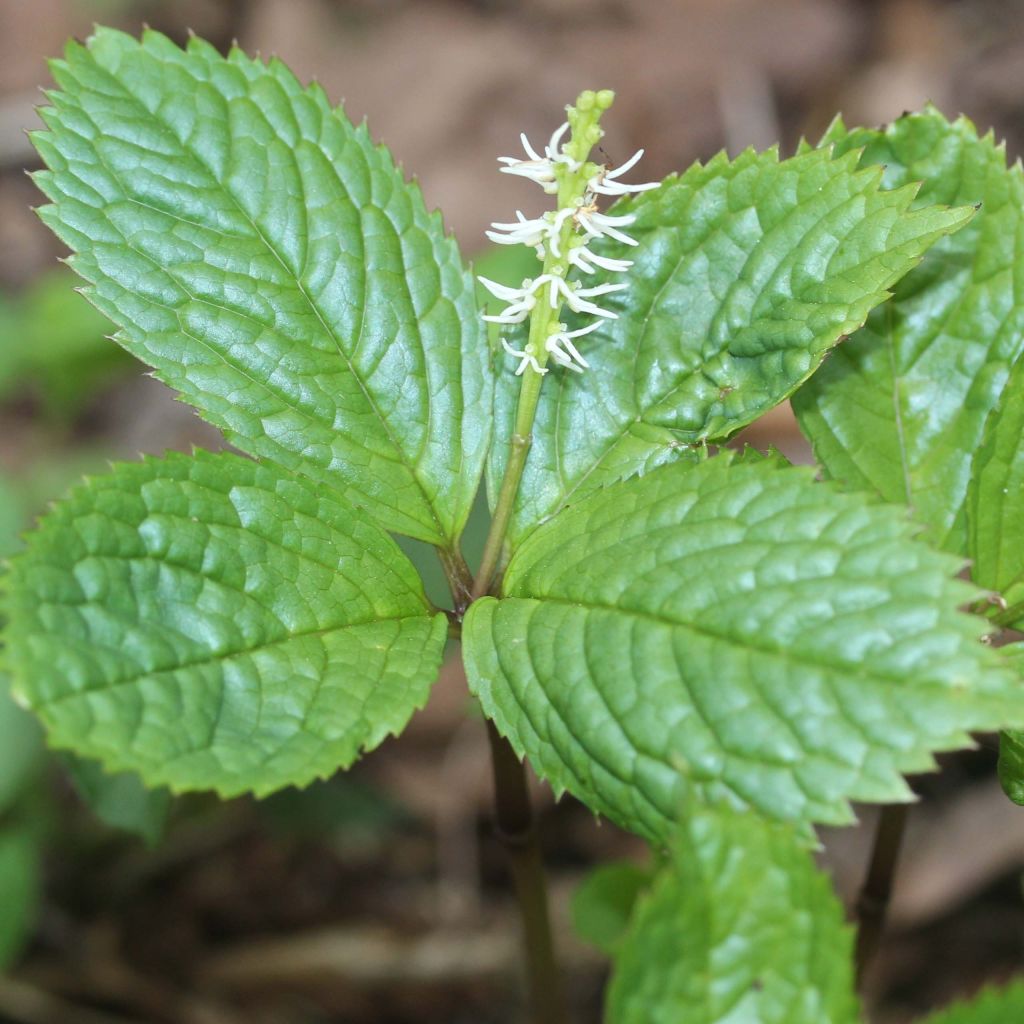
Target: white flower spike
<point>562,239</point>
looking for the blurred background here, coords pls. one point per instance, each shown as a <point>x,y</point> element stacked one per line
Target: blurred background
<point>380,896</point>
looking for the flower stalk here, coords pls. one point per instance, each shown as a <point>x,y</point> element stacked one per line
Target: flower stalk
<point>561,238</point>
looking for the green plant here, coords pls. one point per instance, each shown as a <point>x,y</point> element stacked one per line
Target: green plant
<point>714,650</point>
<point>53,345</point>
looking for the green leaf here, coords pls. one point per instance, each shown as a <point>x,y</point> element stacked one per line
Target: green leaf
<point>121,801</point>
<point>995,500</point>
<point>20,747</point>
<point>738,927</point>
<point>746,274</point>
<point>272,265</point>
<point>209,624</point>
<point>603,902</point>
<point>1011,743</point>
<point>995,1006</point>
<point>1011,765</point>
<point>10,519</point>
<point>737,630</point>
<point>901,407</point>
<point>19,891</point>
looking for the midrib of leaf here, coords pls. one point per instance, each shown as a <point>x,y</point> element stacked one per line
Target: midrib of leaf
<point>897,403</point>
<point>786,656</point>
<point>931,453</point>
<point>399,458</point>
<point>213,658</point>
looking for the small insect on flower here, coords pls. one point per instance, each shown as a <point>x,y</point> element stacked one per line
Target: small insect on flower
<point>604,184</point>
<point>562,238</point>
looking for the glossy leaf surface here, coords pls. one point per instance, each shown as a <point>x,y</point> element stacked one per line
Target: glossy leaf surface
<point>995,509</point>
<point>737,630</point>
<point>739,926</point>
<point>746,274</point>
<point>901,407</point>
<point>274,267</point>
<point>209,624</point>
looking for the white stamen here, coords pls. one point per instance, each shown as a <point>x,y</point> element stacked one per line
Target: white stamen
<point>583,258</point>
<point>564,352</point>
<point>598,224</point>
<point>576,299</point>
<point>539,171</point>
<point>627,166</point>
<point>521,232</point>
<point>555,229</point>
<point>501,291</point>
<point>514,314</point>
<point>526,358</point>
<point>530,151</point>
<point>555,141</point>
<point>600,289</point>
<point>604,183</point>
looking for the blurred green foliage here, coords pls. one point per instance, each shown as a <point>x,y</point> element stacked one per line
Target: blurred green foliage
<point>602,904</point>
<point>53,347</point>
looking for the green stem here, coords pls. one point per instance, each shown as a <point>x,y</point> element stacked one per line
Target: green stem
<point>519,449</point>
<point>516,825</point>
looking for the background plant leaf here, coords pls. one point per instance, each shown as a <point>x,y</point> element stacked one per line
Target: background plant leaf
<point>604,900</point>
<point>20,735</point>
<point>272,265</point>
<point>210,624</point>
<point>747,272</point>
<point>737,630</point>
<point>19,890</point>
<point>120,800</point>
<point>901,407</point>
<point>994,1006</point>
<point>1011,765</point>
<point>738,926</point>
<point>21,746</point>
<point>53,344</point>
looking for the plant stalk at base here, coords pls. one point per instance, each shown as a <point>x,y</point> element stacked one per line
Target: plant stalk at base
<point>517,831</point>
<point>873,902</point>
